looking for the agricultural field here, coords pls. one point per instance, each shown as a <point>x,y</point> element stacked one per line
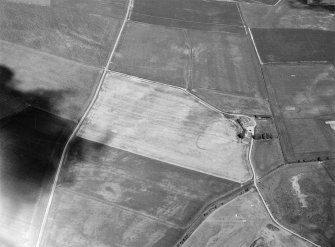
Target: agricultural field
<point>86,222</point>
<point>329,165</point>
<point>149,119</point>
<point>152,202</point>
<point>219,67</point>
<point>68,32</point>
<point>283,45</point>
<point>288,14</point>
<point>226,73</point>
<point>30,142</point>
<point>241,222</point>
<point>51,83</point>
<point>303,96</point>
<point>301,196</point>
<point>159,160</point>
<point>196,14</point>
<point>258,2</point>
<point>153,52</point>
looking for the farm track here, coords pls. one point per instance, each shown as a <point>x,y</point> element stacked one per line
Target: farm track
<point>212,205</point>
<point>67,145</point>
<point>255,185</point>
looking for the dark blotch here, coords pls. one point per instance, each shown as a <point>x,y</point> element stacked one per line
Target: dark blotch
<point>31,143</point>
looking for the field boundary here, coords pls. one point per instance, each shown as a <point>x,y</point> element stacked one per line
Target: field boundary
<point>250,154</point>
<point>74,133</point>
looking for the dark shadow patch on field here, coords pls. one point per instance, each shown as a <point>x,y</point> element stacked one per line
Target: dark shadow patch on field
<point>31,142</point>
<point>158,192</point>
<point>167,192</point>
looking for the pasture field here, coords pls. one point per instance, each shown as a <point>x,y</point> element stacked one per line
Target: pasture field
<point>301,197</point>
<point>30,144</point>
<point>57,85</point>
<point>196,14</point>
<point>71,33</point>
<point>302,96</point>
<point>153,52</point>
<point>241,222</point>
<point>167,124</point>
<point>291,45</point>
<point>285,15</point>
<point>163,197</point>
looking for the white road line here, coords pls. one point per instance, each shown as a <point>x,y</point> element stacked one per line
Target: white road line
<point>67,145</point>
<point>254,173</point>
<point>250,149</point>
<point>277,3</point>
<point>253,41</point>
<point>266,206</point>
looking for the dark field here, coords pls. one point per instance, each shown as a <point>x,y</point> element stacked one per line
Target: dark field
<point>294,45</point>
<point>31,142</point>
<point>219,67</point>
<point>155,192</point>
<point>303,97</point>
<point>51,83</point>
<point>197,14</point>
<point>153,52</point>
<point>68,32</point>
<point>301,197</point>
<point>286,15</point>
<point>310,139</point>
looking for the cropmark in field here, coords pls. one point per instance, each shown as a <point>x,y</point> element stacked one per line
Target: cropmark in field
<point>303,97</point>
<point>145,202</point>
<point>219,67</point>
<point>286,15</point>
<point>168,124</point>
<point>72,33</point>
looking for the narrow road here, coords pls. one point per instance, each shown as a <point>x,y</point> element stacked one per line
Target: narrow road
<point>253,171</point>
<point>74,133</point>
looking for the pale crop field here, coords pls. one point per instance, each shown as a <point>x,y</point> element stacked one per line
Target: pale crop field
<point>167,124</point>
